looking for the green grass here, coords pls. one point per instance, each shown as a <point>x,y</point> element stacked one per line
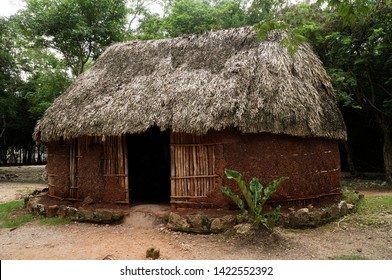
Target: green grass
<point>12,214</point>
<point>348,257</point>
<point>17,221</point>
<point>375,205</point>
<point>372,211</point>
<point>348,195</point>
<point>7,207</point>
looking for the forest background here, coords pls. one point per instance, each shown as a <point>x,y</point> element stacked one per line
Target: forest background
<point>48,43</point>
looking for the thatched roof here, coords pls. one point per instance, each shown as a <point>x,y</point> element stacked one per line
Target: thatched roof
<point>199,83</point>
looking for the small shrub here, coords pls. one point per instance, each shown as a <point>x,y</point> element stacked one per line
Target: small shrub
<point>255,197</point>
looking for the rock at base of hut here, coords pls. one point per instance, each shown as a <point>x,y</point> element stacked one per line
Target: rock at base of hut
<point>52,211</point>
<point>176,222</point>
<point>243,228</point>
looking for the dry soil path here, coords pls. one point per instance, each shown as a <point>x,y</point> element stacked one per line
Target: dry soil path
<point>142,230</point>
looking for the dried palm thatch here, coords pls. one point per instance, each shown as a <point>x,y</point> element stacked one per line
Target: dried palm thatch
<point>199,83</point>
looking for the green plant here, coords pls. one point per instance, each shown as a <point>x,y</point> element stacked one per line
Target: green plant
<point>11,216</point>
<point>255,197</point>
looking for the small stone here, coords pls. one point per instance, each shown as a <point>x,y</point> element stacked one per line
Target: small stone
<point>32,204</point>
<point>310,206</point>
<point>299,217</point>
<point>243,228</point>
<point>292,209</point>
<point>350,206</point>
<point>359,250</point>
<point>303,210</point>
<point>229,220</point>
<point>315,217</point>
<point>63,211</point>
<point>72,213</point>
<point>217,225</point>
<point>333,211</point>
<point>343,209</point>
<point>85,216</point>
<point>103,217</point>
<point>152,253</point>
<point>199,223</point>
<point>176,222</point>
<point>41,209</point>
<point>52,211</point>
<point>293,219</point>
<point>284,218</point>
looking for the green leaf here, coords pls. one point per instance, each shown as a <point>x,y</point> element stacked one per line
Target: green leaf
<point>232,174</point>
<point>255,188</point>
<point>234,197</point>
<point>271,188</point>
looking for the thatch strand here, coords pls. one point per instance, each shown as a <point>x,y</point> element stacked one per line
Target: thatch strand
<point>199,83</point>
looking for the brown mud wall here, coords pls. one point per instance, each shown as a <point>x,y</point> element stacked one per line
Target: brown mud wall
<point>58,169</point>
<point>90,178</point>
<point>312,164</point>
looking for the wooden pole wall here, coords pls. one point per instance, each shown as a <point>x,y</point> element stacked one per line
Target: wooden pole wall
<point>115,162</point>
<point>192,167</point>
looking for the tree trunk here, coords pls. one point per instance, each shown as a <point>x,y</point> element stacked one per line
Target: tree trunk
<point>349,159</point>
<point>4,127</point>
<point>387,147</point>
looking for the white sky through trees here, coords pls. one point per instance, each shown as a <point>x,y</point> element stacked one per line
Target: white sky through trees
<point>10,7</point>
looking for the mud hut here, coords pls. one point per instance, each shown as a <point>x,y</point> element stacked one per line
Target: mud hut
<point>160,120</point>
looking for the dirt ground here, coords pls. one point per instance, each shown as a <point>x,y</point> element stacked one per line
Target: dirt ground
<point>142,229</point>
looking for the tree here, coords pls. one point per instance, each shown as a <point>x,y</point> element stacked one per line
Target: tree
<point>137,9</point>
<point>30,79</point>
<point>260,10</point>
<point>9,81</point>
<point>151,26</point>
<point>353,39</point>
<point>183,17</point>
<point>197,16</point>
<point>360,58</point>
<point>46,81</point>
<point>78,29</point>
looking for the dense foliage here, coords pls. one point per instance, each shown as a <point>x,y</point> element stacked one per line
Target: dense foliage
<point>77,29</point>
<point>46,45</point>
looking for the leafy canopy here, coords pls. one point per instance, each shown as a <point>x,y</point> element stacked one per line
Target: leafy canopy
<point>78,29</point>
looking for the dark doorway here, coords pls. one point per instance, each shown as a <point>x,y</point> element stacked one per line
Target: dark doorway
<point>149,166</point>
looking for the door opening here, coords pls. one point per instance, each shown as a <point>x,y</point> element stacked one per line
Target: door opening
<point>149,166</point>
